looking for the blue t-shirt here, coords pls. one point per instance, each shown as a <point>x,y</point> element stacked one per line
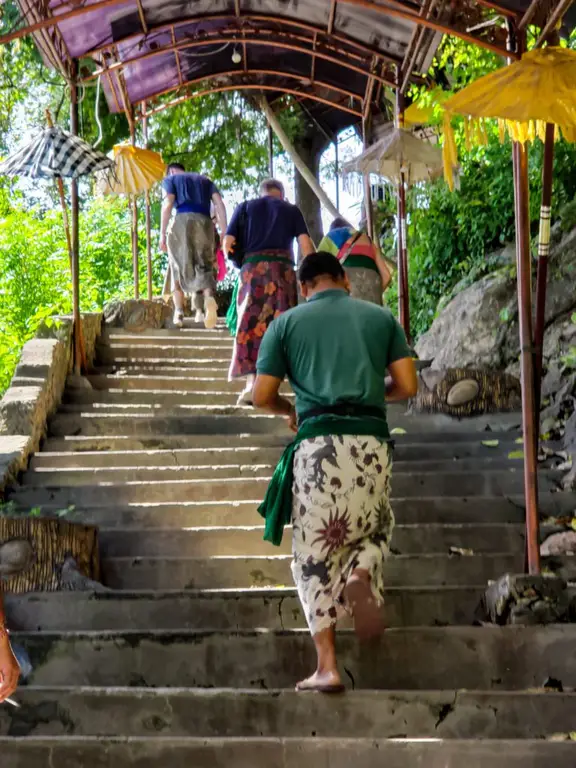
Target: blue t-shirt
<point>271,225</point>
<point>193,192</point>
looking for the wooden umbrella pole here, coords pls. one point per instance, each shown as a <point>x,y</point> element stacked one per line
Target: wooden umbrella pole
<point>80,362</point>
<point>524,280</point>
<point>147,211</point>
<point>135,255</point>
<point>543,252</point>
<point>403,279</point>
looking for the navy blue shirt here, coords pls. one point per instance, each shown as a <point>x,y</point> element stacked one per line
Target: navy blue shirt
<point>193,192</point>
<point>271,225</point>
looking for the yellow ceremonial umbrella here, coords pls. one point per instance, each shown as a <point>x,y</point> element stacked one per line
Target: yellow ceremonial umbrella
<point>531,97</point>
<point>136,172</point>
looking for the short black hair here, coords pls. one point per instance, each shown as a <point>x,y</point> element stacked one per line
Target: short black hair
<point>338,223</point>
<point>176,167</point>
<point>321,263</point>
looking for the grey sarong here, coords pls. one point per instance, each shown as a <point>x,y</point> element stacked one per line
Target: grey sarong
<point>191,252</point>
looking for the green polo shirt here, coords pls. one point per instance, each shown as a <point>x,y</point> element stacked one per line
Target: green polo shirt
<point>333,349</point>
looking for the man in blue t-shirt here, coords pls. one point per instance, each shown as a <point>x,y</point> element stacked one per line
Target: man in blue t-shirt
<point>189,239</point>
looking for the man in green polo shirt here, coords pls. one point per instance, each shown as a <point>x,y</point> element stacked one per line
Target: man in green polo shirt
<point>333,482</point>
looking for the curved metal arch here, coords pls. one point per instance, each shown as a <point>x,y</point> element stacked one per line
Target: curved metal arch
<point>268,72</point>
<point>339,37</point>
<point>234,39</point>
<point>247,87</point>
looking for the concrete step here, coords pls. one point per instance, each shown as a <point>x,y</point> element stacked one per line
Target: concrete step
<point>469,456</point>
<point>170,350</point>
<point>223,609</point>
<point>178,713</point>
<point>221,420</point>
<point>416,485</point>
<point>187,514</point>
<point>147,752</point>
<point>244,513</point>
<point>238,572</point>
<point>163,367</point>
<point>159,398</point>
<point>128,383</point>
<point>75,400</point>
<point>457,441</point>
<point>195,333</point>
<point>238,467</point>
<point>247,541</point>
<point>422,658</point>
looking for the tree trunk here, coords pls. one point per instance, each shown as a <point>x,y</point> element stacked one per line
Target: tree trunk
<point>310,145</point>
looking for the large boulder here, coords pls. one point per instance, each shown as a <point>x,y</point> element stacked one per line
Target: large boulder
<point>467,331</point>
<point>478,327</point>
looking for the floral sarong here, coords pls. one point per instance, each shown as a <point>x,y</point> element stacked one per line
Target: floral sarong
<point>341,519</point>
<point>265,290</point>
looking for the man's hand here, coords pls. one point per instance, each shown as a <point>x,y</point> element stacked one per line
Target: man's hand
<point>292,420</point>
<point>163,245</point>
<point>9,668</point>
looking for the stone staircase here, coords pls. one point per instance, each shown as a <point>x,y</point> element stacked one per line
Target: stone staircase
<point>191,658</point>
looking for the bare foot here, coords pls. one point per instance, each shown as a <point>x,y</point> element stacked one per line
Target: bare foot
<point>323,682</point>
<point>368,620</point>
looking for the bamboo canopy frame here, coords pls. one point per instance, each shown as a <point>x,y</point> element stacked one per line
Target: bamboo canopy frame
<point>142,43</point>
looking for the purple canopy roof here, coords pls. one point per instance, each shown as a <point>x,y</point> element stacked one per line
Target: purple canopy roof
<point>330,53</point>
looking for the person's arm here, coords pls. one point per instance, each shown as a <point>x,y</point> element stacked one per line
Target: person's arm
<point>231,235</point>
<point>266,395</point>
<point>220,211</point>
<point>306,245</point>
<point>383,268</point>
<point>403,381</point>
<point>9,669</point>
<point>271,371</point>
<point>167,207</point>
<point>301,233</point>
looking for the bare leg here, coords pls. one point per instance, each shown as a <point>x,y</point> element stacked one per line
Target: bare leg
<point>199,307</point>
<point>178,295</point>
<point>368,619</point>
<point>326,678</point>
<point>210,308</point>
<point>245,397</point>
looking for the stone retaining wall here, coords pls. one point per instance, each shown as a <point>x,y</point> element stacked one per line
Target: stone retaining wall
<point>36,390</point>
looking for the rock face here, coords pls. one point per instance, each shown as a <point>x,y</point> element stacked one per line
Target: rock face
<point>479,328</point>
<point>466,332</point>
<point>137,314</point>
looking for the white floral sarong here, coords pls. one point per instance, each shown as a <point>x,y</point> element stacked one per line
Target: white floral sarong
<point>341,519</point>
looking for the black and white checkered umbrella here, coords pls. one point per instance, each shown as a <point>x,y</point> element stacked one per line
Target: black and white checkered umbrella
<point>54,153</point>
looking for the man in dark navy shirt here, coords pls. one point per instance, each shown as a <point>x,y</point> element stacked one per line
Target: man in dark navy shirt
<point>189,238</point>
<point>267,228</point>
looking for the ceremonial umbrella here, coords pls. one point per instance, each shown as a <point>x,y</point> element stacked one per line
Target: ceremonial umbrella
<point>402,159</point>
<point>136,172</point>
<point>530,98</point>
<point>57,154</point>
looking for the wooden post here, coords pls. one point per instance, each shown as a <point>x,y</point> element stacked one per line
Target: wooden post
<point>290,150</point>
<point>134,211</point>
<point>524,280</point>
<point>270,151</point>
<point>337,170</point>
<point>79,351</point>
<point>403,279</point>
<point>148,212</point>
<point>368,210</point>
<point>543,252</point>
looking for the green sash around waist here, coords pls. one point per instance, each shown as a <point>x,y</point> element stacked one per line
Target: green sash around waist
<point>276,509</point>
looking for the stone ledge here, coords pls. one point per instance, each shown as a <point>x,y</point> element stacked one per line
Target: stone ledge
<point>36,390</point>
